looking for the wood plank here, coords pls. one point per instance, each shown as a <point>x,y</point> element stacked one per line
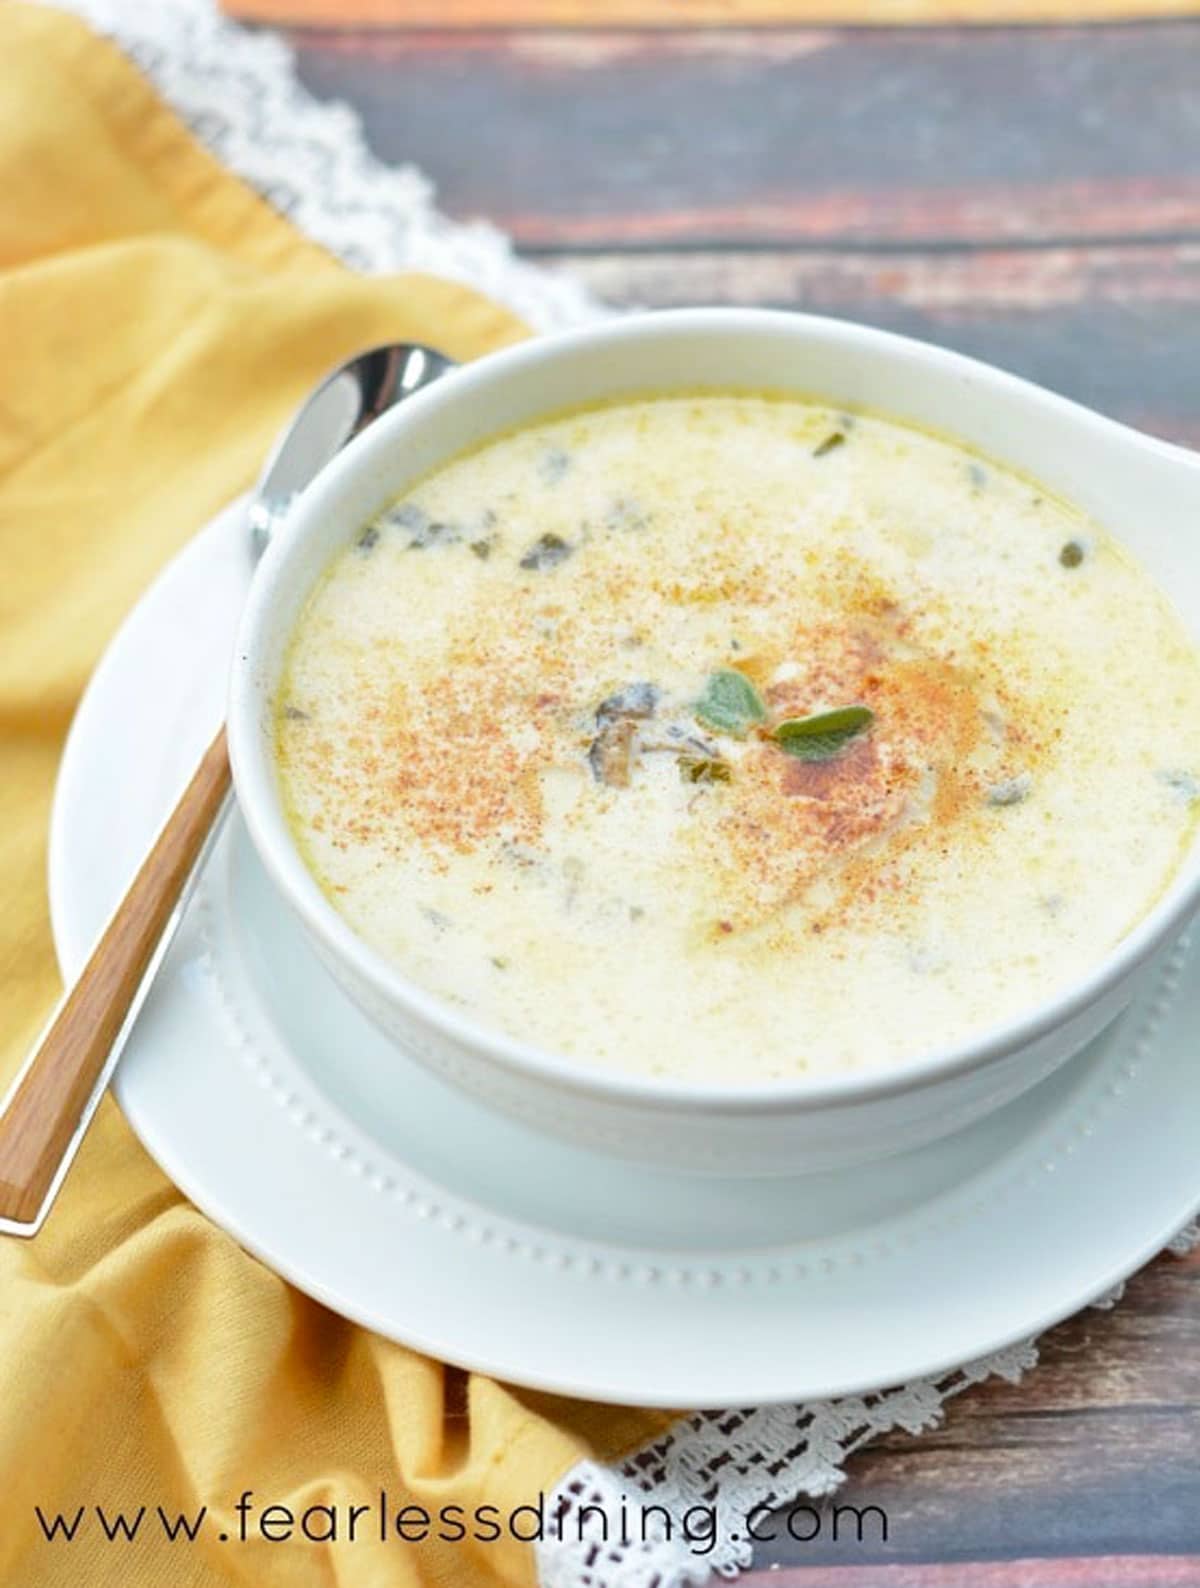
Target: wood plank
<point>1117,328</point>
<point>680,13</point>
<point>877,216</point>
<point>790,136</point>
<point>1095,1454</point>
<point>963,282</point>
<point>1098,1571</point>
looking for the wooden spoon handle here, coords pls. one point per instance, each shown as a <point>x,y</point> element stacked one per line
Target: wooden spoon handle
<point>60,1082</point>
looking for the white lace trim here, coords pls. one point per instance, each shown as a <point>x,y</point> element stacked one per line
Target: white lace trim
<point>738,1462</point>
<point>239,94</point>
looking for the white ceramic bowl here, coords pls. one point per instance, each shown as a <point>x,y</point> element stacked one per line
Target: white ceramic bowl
<point>1146,492</point>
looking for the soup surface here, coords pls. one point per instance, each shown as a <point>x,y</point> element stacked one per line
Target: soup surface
<point>735,738</point>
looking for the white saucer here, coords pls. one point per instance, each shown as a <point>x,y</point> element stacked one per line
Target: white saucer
<point>387,1196</point>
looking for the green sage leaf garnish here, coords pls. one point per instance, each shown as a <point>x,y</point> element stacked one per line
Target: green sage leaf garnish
<point>822,736</point>
<point>422,531</point>
<point>546,552</point>
<point>831,443</point>
<point>730,703</point>
<point>704,769</point>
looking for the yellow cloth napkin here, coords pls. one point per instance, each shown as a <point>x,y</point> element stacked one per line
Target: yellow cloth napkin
<point>157,324</point>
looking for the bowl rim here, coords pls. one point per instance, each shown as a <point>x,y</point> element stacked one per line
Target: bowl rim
<point>255,781</point>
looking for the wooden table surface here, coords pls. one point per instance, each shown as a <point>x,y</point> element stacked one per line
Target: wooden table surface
<point>1031,195</point>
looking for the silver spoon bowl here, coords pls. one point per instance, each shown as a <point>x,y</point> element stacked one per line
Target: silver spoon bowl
<point>345,403</point>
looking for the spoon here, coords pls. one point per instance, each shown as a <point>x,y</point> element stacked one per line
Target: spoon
<point>52,1099</point>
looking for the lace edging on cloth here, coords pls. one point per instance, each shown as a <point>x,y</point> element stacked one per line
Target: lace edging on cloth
<point>742,1461</point>
<point>239,93</point>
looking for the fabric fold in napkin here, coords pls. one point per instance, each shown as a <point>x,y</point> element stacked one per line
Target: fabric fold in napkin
<point>158,323</point>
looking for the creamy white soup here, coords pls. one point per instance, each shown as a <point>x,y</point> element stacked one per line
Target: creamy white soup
<point>735,738</point>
